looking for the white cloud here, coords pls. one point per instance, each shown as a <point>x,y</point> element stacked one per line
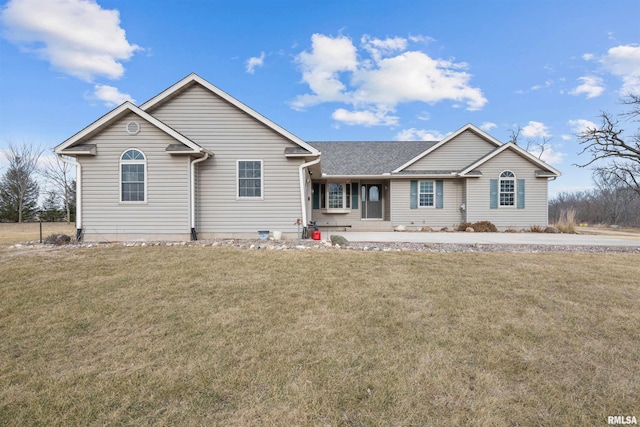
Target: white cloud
<point>566,137</point>
<point>535,130</point>
<point>418,135</point>
<point>549,155</point>
<point>77,37</point>
<point>255,62</point>
<point>379,48</point>
<point>421,39</point>
<point>110,95</point>
<point>365,118</point>
<point>588,56</point>
<point>424,116</point>
<point>591,86</point>
<point>487,126</point>
<point>546,84</point>
<point>321,69</point>
<point>624,62</point>
<point>414,76</point>
<point>580,125</point>
<point>379,77</point>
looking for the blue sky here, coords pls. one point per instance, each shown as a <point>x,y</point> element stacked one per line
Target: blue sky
<point>329,70</point>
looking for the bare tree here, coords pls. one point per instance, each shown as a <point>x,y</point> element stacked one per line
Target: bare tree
<point>535,146</point>
<point>18,188</point>
<point>60,176</point>
<point>611,202</point>
<point>612,151</point>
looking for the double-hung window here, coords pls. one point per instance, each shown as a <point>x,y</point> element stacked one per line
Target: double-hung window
<point>426,194</point>
<point>507,188</point>
<point>250,179</point>
<point>133,176</point>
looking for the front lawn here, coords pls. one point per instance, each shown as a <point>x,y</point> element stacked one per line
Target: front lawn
<point>217,336</point>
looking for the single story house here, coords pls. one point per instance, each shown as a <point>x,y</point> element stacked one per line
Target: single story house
<point>194,162</point>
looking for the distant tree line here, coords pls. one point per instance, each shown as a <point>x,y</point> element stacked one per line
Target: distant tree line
<point>20,189</point>
<point>611,202</point>
<point>615,158</point>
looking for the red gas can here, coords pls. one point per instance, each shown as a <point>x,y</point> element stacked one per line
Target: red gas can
<point>316,235</point>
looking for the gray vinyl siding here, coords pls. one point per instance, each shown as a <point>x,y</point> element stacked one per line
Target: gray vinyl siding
<point>449,215</point>
<point>233,135</point>
<point>456,154</point>
<point>352,218</point>
<point>166,210</point>
<point>535,211</point>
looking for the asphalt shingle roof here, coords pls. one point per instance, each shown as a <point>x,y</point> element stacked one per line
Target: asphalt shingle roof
<point>367,157</point>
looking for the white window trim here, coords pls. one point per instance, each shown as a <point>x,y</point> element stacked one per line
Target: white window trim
<point>343,209</point>
<point>515,189</point>
<point>238,197</point>
<point>433,182</point>
<point>146,175</point>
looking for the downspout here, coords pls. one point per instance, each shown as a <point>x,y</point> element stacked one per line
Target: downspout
<point>194,235</point>
<point>78,194</point>
<point>302,198</point>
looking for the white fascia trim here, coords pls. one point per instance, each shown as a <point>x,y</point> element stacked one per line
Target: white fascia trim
<point>230,99</point>
<point>466,127</point>
<point>426,175</point>
<point>114,115</point>
<point>293,156</point>
<point>343,177</point>
<point>511,146</point>
<point>79,153</point>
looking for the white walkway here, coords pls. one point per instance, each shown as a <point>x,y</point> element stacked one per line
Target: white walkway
<point>488,238</point>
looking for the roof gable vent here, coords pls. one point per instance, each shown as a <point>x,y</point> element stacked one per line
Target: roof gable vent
<point>133,128</point>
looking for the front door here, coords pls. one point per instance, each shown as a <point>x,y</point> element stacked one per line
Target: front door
<point>371,197</point>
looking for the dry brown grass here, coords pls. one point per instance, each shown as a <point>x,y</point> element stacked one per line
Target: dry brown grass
<point>567,221</point>
<point>30,231</point>
<point>211,336</point>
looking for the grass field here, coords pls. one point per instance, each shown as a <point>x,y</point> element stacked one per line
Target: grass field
<point>212,336</point>
<point>30,231</point>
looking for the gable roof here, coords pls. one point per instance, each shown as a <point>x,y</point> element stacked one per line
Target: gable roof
<point>115,114</point>
<point>195,79</point>
<point>518,150</point>
<point>359,158</point>
<point>467,127</point>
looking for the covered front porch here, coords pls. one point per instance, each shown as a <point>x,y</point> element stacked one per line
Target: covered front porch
<point>357,205</point>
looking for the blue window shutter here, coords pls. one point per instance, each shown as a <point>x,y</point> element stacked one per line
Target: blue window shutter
<point>413,192</point>
<point>493,190</point>
<point>521,194</point>
<point>439,194</point>
<point>354,195</point>
<point>316,195</point>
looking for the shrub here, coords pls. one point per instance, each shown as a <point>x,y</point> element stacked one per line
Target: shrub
<point>58,239</point>
<point>536,229</point>
<point>463,226</point>
<point>480,226</point>
<point>484,227</point>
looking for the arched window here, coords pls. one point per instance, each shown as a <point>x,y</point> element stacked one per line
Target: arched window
<point>133,176</point>
<point>507,188</point>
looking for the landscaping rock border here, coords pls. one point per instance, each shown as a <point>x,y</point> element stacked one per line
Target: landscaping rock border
<point>324,245</point>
